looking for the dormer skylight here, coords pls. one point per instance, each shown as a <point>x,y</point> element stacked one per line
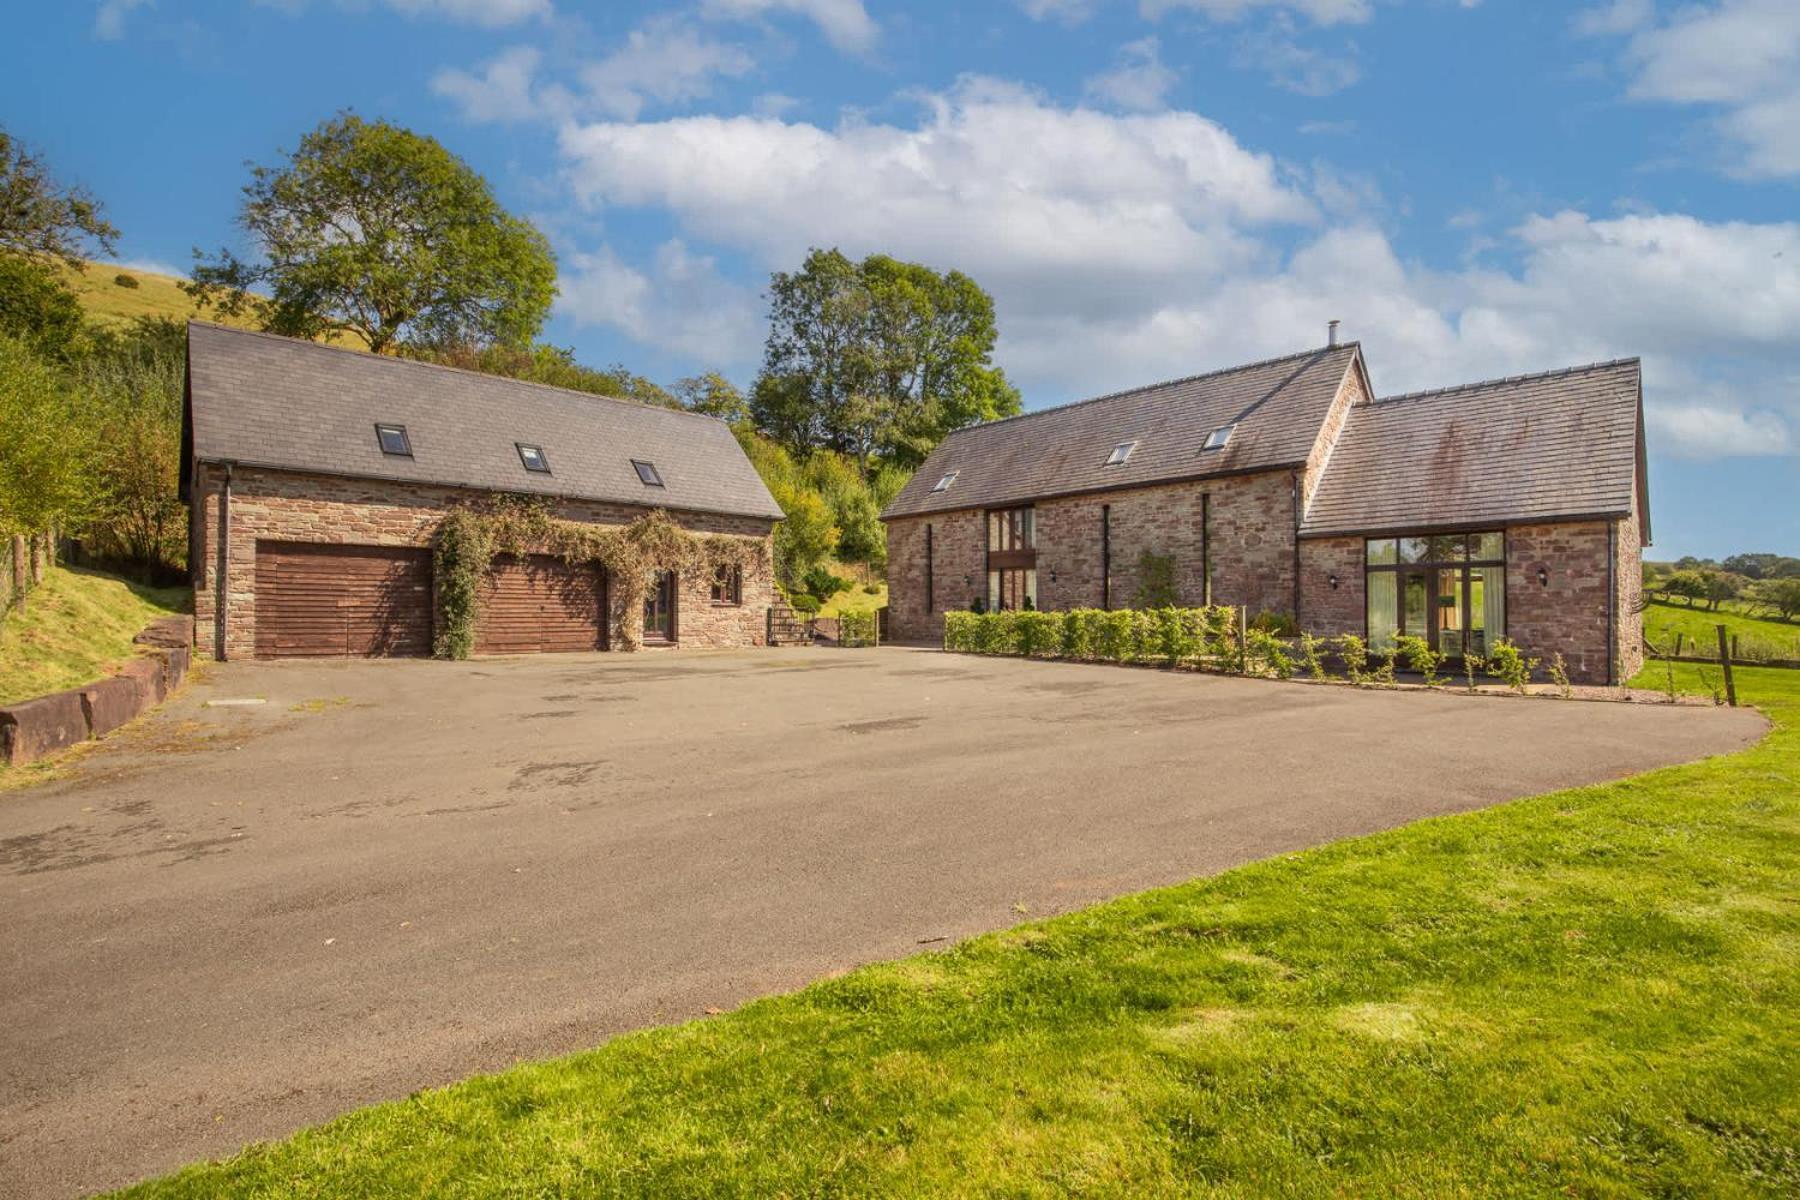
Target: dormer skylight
<point>943,485</point>
<point>1217,439</point>
<point>393,440</point>
<point>1120,453</point>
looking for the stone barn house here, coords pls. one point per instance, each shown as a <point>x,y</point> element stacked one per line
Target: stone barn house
<point>317,477</point>
<point>1514,508</point>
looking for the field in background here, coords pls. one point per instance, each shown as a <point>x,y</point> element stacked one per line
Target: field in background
<point>1759,639</point>
<point>105,301</point>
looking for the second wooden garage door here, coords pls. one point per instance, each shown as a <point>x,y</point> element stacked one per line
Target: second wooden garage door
<point>318,601</point>
<point>541,604</point>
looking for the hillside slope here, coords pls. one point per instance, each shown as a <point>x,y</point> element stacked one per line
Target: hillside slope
<point>73,624</point>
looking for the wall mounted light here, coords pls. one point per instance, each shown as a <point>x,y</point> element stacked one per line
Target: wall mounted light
<point>1543,577</point>
<point>1334,583</point>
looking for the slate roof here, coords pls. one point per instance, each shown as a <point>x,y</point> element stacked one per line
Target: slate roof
<point>1560,444</point>
<point>1279,407</point>
<point>261,400</point>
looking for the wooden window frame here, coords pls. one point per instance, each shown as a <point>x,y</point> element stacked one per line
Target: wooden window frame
<point>728,586</point>
<point>1018,538</point>
<point>1467,565</point>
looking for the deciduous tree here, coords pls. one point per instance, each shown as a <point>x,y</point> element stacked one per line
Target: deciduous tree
<point>374,230</point>
<point>877,358</point>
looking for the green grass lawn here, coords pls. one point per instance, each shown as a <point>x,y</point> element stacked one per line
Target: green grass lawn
<point>71,625</point>
<point>1758,637</point>
<point>855,600</point>
<point>154,296</point>
<point>1588,993</point>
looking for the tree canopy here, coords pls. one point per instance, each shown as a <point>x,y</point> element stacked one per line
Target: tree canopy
<point>877,358</point>
<point>43,220</point>
<point>374,230</point>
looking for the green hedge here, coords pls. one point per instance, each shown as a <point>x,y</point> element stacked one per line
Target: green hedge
<point>858,628</point>
<point>1171,636</point>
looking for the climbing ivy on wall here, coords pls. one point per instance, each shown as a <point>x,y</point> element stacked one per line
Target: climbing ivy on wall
<point>469,537</point>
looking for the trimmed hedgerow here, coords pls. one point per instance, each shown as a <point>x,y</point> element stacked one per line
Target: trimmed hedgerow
<point>858,628</point>
<point>1204,637</point>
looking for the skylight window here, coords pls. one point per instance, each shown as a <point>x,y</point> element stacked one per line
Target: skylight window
<point>393,440</point>
<point>533,458</point>
<point>943,485</point>
<point>647,473</point>
<point>1217,438</point>
<point>1120,453</point>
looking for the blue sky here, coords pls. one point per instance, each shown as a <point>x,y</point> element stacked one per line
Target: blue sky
<point>1149,188</point>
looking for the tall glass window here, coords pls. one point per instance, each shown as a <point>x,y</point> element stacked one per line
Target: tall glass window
<point>1012,559</point>
<point>1449,589</point>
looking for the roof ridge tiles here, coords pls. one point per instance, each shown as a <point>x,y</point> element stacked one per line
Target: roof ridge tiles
<point>419,362</point>
<point>1534,376</point>
<point>1151,387</point>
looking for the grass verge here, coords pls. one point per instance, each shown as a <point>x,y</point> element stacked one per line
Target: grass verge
<point>72,625</point>
<point>1588,993</point>
<point>854,600</point>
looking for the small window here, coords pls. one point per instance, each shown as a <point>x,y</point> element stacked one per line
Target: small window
<point>533,458</point>
<point>728,585</point>
<point>1217,439</point>
<point>1120,453</point>
<point>393,440</point>
<point>943,485</point>
<point>647,473</point>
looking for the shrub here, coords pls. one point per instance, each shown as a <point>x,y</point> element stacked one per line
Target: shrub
<point>805,602</point>
<point>871,589</point>
<point>857,628</point>
<point>959,631</point>
<point>1420,657</point>
<point>1037,632</point>
<point>1278,623</point>
<point>1559,675</point>
<point>1384,674</point>
<point>824,584</point>
<point>1269,653</point>
<point>1355,653</point>
<point>1510,666</point>
<point>1114,640</point>
<point>125,281</point>
<point>1174,634</point>
<point>1077,635</point>
<point>1473,665</point>
<point>1311,658</point>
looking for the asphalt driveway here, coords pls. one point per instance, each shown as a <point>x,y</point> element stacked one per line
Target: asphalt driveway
<point>236,921</point>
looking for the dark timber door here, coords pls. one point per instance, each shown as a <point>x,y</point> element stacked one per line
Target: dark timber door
<point>315,601</point>
<point>541,604</point>
<point>659,609</point>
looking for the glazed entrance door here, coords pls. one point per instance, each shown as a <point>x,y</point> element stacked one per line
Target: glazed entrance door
<point>659,609</point>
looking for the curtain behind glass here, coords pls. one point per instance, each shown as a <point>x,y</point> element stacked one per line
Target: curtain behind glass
<point>1493,604</point>
<point>1384,611</point>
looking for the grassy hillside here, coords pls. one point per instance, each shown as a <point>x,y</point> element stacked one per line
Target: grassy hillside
<point>108,302</point>
<point>1759,639</point>
<point>72,625</point>
<point>1586,993</point>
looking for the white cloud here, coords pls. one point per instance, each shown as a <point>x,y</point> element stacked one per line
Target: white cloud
<point>1740,56</point>
<point>1319,12</point>
<point>1620,16</point>
<point>679,303</point>
<point>664,61</point>
<point>1068,12</point>
<point>1139,81</point>
<point>1300,69</point>
<point>845,23</point>
<point>502,92</point>
<point>109,18</point>
<point>1126,248</point>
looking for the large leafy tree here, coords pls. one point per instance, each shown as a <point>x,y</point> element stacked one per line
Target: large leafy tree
<point>376,231</point>
<point>877,359</point>
<point>47,453</point>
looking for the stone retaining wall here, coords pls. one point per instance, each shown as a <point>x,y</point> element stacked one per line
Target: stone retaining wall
<point>30,730</point>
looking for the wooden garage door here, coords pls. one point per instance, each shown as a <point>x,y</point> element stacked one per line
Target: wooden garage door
<point>330,601</point>
<point>541,604</point>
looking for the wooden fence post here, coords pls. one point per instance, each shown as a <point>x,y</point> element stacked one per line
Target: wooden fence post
<point>1678,637</point>
<point>1725,658</point>
<point>21,575</point>
<point>1243,648</point>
